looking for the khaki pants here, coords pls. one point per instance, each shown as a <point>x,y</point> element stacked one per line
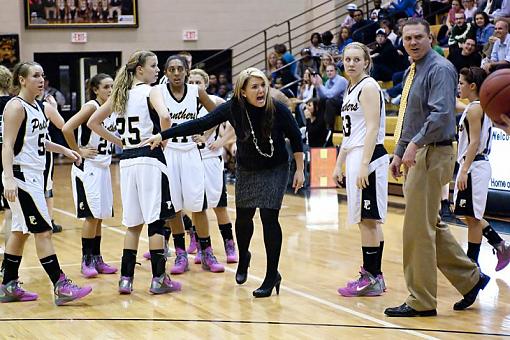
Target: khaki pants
<point>428,243</point>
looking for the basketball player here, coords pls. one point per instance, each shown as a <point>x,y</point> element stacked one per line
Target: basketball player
<point>367,162</point>
<point>185,167</point>
<point>471,185</point>
<point>215,188</point>
<point>91,180</point>
<point>143,173</point>
<point>25,127</point>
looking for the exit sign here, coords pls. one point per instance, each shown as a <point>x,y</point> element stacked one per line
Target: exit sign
<point>190,35</point>
<point>79,37</point>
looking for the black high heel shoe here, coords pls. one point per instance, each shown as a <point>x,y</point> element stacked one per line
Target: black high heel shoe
<point>266,292</point>
<point>242,269</point>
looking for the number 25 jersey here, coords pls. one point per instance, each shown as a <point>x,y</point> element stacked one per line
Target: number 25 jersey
<point>353,117</point>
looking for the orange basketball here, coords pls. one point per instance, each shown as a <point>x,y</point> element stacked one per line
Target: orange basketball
<point>495,94</point>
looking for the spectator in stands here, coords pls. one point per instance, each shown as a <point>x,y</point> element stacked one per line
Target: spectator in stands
<point>223,80</point>
<point>344,38</point>
<point>456,8</point>
<point>500,56</point>
<point>383,57</point>
<point>326,59</point>
<point>317,134</point>
<point>484,29</point>
<point>286,56</point>
<point>222,91</point>
<point>55,93</point>
<point>305,92</point>
<point>213,84</point>
<point>401,8</point>
<point>327,44</point>
<point>460,31</point>
<point>315,41</point>
<point>387,26</point>
<point>271,62</point>
<point>282,72</point>
<point>469,9</point>
<point>305,62</point>
<point>503,11</point>
<point>349,19</point>
<point>376,11</point>
<point>332,92</point>
<point>435,45</point>
<point>363,31</point>
<point>465,57</point>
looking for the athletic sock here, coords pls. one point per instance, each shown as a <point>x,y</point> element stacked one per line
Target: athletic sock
<point>473,251</point>
<point>158,262</point>
<point>52,268</point>
<point>187,222</point>
<point>128,263</point>
<point>370,256</point>
<point>96,250</point>
<point>167,232</point>
<point>380,255</point>
<point>492,236</point>
<point>179,242</point>
<point>87,246</point>
<point>226,231</point>
<point>205,242</point>
<point>11,265</point>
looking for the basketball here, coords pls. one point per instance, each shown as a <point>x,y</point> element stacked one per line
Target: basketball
<point>495,93</point>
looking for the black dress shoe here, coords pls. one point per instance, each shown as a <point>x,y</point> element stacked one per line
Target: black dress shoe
<point>268,290</point>
<point>470,297</point>
<point>242,269</point>
<point>405,310</point>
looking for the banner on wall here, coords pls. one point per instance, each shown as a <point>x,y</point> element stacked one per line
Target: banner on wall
<point>498,158</point>
<point>9,50</point>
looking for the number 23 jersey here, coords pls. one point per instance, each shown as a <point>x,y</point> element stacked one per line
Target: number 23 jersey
<point>91,140</point>
<point>353,117</point>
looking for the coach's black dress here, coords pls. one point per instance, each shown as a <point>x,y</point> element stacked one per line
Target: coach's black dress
<point>262,163</point>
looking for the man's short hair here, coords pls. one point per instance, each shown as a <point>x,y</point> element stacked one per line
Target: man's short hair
<point>417,21</point>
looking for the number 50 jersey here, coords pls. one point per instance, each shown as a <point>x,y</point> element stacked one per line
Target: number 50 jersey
<point>91,140</point>
<point>353,117</point>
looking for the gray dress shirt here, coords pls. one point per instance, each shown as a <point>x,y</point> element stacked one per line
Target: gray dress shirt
<point>430,111</point>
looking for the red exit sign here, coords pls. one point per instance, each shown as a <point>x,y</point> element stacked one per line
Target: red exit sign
<point>189,35</point>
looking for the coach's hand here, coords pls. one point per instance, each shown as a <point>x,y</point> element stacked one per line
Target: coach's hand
<point>409,158</point>
<point>395,165</point>
<point>362,180</point>
<point>10,189</point>
<point>153,141</point>
<point>299,180</point>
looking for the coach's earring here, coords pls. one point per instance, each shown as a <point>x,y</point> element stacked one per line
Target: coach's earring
<point>242,268</point>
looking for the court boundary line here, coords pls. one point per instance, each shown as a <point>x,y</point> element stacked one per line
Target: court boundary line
<point>307,296</point>
<point>254,322</point>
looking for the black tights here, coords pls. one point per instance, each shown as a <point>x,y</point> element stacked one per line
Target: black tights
<point>272,238</point>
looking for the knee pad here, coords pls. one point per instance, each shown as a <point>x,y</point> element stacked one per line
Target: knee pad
<point>156,227</point>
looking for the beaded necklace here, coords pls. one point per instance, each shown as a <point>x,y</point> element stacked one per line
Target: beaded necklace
<point>255,140</point>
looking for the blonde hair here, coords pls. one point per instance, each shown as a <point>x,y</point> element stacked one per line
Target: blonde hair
<point>201,73</point>
<point>124,80</point>
<point>322,68</point>
<point>21,70</point>
<point>5,79</point>
<point>366,53</point>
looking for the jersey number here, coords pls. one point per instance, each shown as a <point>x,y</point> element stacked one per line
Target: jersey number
<point>41,145</point>
<point>132,126</point>
<point>102,147</point>
<point>179,139</point>
<point>346,122</point>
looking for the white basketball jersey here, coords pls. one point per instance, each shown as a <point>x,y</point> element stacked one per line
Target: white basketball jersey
<point>204,149</point>
<point>181,111</point>
<point>353,118</point>
<point>485,134</point>
<point>29,147</point>
<point>137,123</point>
<point>91,140</point>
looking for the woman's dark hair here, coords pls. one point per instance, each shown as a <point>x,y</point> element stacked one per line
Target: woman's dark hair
<point>485,17</point>
<point>474,75</point>
<point>93,84</point>
<point>316,34</point>
<point>317,106</point>
<point>387,23</point>
<point>183,61</point>
<point>340,40</point>
<point>327,38</point>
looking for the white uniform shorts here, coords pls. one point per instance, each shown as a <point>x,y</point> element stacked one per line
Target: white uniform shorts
<point>144,190</point>
<point>215,188</point>
<point>472,200</point>
<point>29,210</point>
<point>187,179</point>
<point>370,203</point>
<point>92,190</point>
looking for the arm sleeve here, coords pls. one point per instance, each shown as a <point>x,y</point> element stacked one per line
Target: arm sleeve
<point>290,128</point>
<point>215,117</point>
<point>442,83</point>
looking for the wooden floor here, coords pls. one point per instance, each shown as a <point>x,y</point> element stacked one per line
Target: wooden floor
<point>320,253</point>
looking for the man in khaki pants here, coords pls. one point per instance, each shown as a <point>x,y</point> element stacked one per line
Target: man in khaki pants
<point>425,132</point>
